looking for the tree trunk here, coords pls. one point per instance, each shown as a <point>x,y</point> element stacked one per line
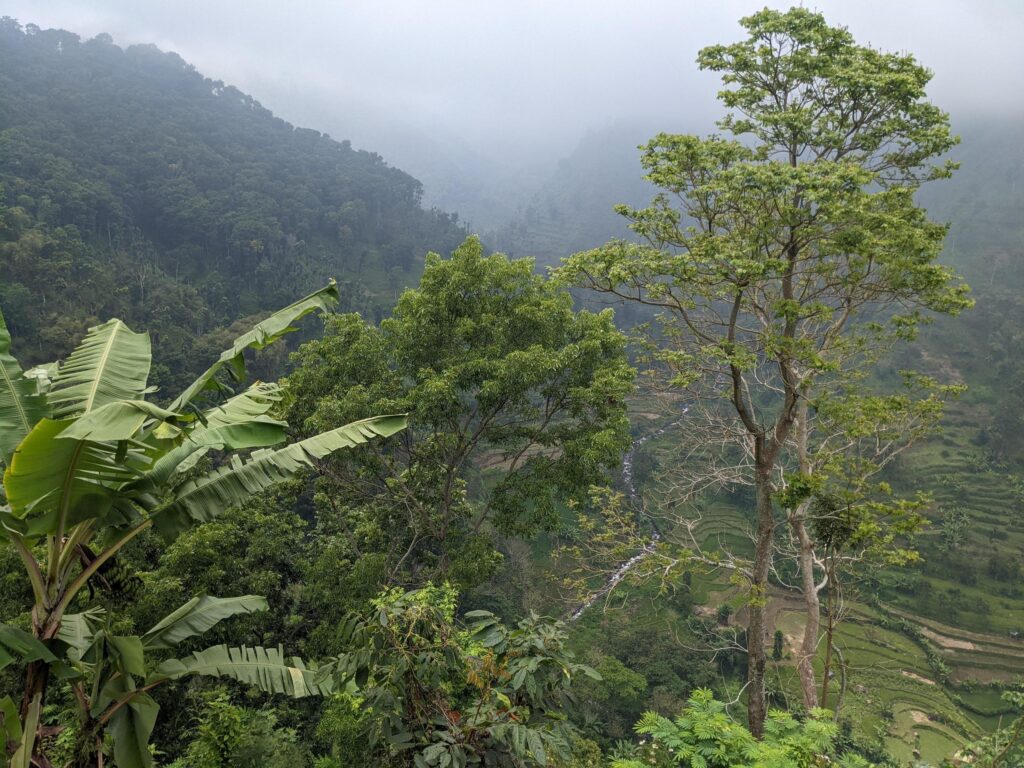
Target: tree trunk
<point>757,657</point>
<point>37,677</point>
<point>829,636</point>
<point>812,608</point>
<point>812,604</point>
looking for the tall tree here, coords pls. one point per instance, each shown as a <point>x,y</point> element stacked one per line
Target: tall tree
<point>516,403</point>
<point>779,258</point>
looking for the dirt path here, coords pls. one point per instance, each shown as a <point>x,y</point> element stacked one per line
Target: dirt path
<point>915,676</point>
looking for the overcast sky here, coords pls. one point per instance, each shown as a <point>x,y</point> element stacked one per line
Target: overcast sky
<point>508,74</point>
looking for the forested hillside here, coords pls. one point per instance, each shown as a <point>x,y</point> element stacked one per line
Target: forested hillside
<point>717,462</point>
<point>133,186</point>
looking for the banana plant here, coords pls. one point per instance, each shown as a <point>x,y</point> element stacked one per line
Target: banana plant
<point>111,675</point>
<point>90,464</point>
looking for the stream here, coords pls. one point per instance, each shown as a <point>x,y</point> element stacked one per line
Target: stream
<point>634,500</point>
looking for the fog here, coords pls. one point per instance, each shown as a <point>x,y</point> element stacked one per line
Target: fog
<point>467,88</point>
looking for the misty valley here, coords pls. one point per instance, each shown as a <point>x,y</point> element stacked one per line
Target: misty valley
<point>694,444</point>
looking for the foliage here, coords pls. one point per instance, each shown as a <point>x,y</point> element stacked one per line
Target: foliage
<point>229,736</point>
<point>777,645</point>
<point>705,735</point>
<point>516,403</point>
<point>1005,747</point>
<point>93,467</point>
<point>131,186</point>
<point>783,261</point>
<point>443,695</point>
<point>955,521</point>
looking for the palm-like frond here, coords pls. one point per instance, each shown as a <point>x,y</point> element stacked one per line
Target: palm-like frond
<point>20,405</point>
<point>266,668</point>
<point>112,363</point>
<point>238,424</point>
<point>206,497</point>
<point>252,404</point>
<point>119,420</point>
<point>65,481</point>
<point>262,335</point>
<point>198,615</point>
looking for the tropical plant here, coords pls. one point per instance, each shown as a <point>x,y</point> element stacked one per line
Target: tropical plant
<point>91,465</point>
<point>705,735</point>
<point>1005,747</point>
<point>442,695</point>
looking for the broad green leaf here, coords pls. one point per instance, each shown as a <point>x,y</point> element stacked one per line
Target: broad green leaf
<point>20,406</point>
<point>120,420</point>
<point>112,363</point>
<point>262,335</point>
<point>67,480</point>
<point>237,424</point>
<point>198,615</point>
<point>247,406</point>
<point>129,653</point>
<point>22,757</point>
<point>536,746</point>
<point>266,668</point>
<point>206,497</point>
<point>78,631</point>
<point>11,721</point>
<point>131,726</point>
<point>17,644</point>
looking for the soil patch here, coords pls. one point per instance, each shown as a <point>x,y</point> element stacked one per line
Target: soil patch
<point>948,642</point>
<point>915,676</point>
<point>919,717</point>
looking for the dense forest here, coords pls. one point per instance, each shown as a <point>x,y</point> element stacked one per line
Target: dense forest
<point>134,187</point>
<point>708,456</point>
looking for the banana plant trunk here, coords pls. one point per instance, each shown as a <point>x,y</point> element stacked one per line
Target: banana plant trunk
<point>37,673</point>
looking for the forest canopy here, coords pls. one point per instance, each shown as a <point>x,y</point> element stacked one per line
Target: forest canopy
<point>132,186</point>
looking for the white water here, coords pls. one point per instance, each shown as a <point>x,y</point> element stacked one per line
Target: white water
<point>634,499</point>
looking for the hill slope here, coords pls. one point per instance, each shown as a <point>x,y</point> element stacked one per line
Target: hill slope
<point>133,186</point>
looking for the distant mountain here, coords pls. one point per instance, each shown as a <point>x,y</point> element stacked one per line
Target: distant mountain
<point>132,186</point>
<point>574,208</point>
<point>984,202</point>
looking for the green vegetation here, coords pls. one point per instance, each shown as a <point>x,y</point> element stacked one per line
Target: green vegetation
<point>439,696</point>
<point>90,465</point>
<point>538,563</point>
<point>783,261</point>
<point>153,190</point>
<point>703,734</point>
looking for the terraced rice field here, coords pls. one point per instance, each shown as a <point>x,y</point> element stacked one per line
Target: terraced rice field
<point>892,691</point>
<point>967,618</point>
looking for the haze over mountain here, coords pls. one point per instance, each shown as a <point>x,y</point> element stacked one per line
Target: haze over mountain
<point>538,500</point>
<point>480,100</point>
<point>179,202</point>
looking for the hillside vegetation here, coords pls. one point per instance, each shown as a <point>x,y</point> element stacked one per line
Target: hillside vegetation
<point>498,524</point>
<point>133,186</point>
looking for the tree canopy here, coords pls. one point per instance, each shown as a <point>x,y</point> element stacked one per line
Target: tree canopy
<point>516,403</point>
<point>782,259</point>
